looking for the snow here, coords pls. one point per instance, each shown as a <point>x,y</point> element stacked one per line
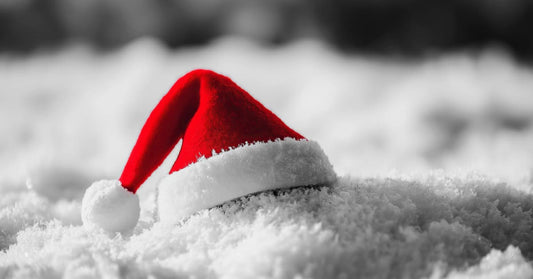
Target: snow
<point>109,206</point>
<point>247,169</point>
<point>498,264</point>
<point>434,156</point>
<point>367,227</point>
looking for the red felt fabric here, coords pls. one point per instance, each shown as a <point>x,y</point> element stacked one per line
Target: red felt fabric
<point>209,112</point>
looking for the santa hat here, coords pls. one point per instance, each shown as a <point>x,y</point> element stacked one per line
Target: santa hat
<point>232,146</point>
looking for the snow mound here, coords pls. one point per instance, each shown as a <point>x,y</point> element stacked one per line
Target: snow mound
<point>498,265</point>
<point>371,228</point>
<point>109,206</point>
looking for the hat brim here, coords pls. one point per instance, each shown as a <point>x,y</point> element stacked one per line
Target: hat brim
<point>247,169</point>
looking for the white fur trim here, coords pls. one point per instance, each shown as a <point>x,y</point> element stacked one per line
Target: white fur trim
<point>109,206</point>
<point>241,171</point>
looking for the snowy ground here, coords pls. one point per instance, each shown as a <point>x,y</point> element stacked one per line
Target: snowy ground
<point>435,160</point>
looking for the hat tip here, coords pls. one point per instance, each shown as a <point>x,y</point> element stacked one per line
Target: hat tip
<point>109,206</point>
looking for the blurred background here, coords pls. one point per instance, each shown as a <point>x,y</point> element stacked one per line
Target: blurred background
<point>385,86</point>
<point>399,27</point>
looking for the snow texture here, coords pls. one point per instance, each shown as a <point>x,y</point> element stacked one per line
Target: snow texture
<point>434,156</point>
<point>109,206</point>
<point>378,228</point>
<point>498,264</point>
<point>241,171</point>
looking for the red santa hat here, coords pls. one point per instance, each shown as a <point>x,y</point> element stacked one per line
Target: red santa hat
<point>232,146</point>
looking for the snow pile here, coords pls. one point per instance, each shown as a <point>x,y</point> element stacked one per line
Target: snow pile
<point>375,228</point>
<point>497,264</point>
<point>72,117</point>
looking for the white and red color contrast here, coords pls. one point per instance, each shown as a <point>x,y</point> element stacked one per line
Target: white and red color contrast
<point>232,146</point>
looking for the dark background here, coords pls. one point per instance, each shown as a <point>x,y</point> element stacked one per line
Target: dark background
<point>403,27</point>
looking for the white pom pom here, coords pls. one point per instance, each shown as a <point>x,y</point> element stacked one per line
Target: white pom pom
<point>108,205</point>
